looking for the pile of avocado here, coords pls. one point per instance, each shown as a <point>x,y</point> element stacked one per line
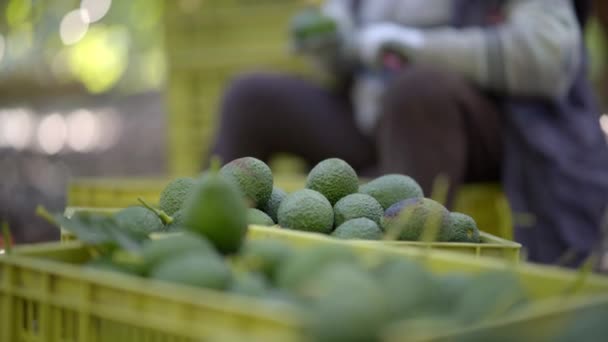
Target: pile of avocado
<point>389,207</point>
<point>339,295</point>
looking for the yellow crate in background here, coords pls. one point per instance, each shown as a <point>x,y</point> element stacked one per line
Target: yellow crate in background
<point>113,192</point>
<point>207,44</point>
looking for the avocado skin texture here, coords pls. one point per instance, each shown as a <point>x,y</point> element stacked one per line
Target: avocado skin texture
<point>333,178</point>
<point>157,251</point>
<point>347,305</point>
<point>294,272</point>
<point>138,219</point>
<point>409,286</point>
<point>423,213</point>
<point>272,206</point>
<point>463,228</point>
<point>306,210</point>
<point>360,228</point>
<point>356,206</point>
<point>194,269</point>
<point>249,284</point>
<point>392,188</point>
<point>217,211</point>
<point>252,177</point>
<point>258,217</point>
<point>175,194</point>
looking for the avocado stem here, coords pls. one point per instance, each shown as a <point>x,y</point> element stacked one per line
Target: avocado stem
<point>166,219</point>
<point>46,215</point>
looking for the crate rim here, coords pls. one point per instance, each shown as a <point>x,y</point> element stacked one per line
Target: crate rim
<point>495,240</point>
<point>216,300</point>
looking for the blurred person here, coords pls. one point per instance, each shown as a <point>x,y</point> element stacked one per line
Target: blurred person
<point>478,90</point>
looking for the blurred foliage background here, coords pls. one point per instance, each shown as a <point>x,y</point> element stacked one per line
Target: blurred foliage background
<point>102,45</point>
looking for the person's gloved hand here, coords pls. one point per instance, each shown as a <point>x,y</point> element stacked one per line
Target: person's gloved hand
<point>376,40</point>
<point>312,32</point>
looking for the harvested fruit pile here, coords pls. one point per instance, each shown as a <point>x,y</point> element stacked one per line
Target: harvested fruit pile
<point>390,207</point>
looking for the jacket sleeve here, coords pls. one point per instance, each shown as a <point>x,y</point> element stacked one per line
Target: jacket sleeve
<point>536,51</point>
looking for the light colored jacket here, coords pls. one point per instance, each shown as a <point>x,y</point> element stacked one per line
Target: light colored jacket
<point>533,49</point>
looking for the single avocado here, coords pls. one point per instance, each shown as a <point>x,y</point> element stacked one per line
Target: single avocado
<point>450,287</point>
<point>333,178</point>
<point>302,265</point>
<point>265,256</point>
<point>348,305</point>
<point>138,219</point>
<point>490,295</point>
<point>157,251</point>
<point>390,189</point>
<point>410,218</point>
<point>175,194</point>
<point>258,217</point>
<point>356,206</point>
<point>409,286</point>
<point>463,228</point>
<point>272,206</point>
<point>252,177</point>
<point>249,284</point>
<point>306,210</point>
<point>194,269</point>
<point>360,228</point>
<point>217,211</point>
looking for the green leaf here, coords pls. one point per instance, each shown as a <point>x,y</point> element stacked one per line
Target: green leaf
<point>96,229</point>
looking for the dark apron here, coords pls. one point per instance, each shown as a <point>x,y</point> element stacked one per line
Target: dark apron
<point>555,164</point>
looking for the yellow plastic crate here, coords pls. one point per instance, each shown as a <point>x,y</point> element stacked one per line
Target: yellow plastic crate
<point>44,296</point>
<point>123,192</point>
<point>42,300</point>
<point>113,192</point>
<point>207,43</point>
<point>491,245</point>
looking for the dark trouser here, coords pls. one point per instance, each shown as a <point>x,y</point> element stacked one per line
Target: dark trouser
<point>432,123</point>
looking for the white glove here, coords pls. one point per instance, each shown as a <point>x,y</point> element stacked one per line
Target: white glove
<point>371,41</point>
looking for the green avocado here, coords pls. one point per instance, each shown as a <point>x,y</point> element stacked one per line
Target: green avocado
<point>194,269</point>
<point>175,194</point>
<point>390,189</point>
<point>258,217</point>
<point>217,211</point>
<point>252,177</point>
<point>463,228</point>
<point>333,178</point>
<point>306,210</point>
<point>356,206</point>
<point>272,206</point>
<point>411,217</point>
<point>360,229</point>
